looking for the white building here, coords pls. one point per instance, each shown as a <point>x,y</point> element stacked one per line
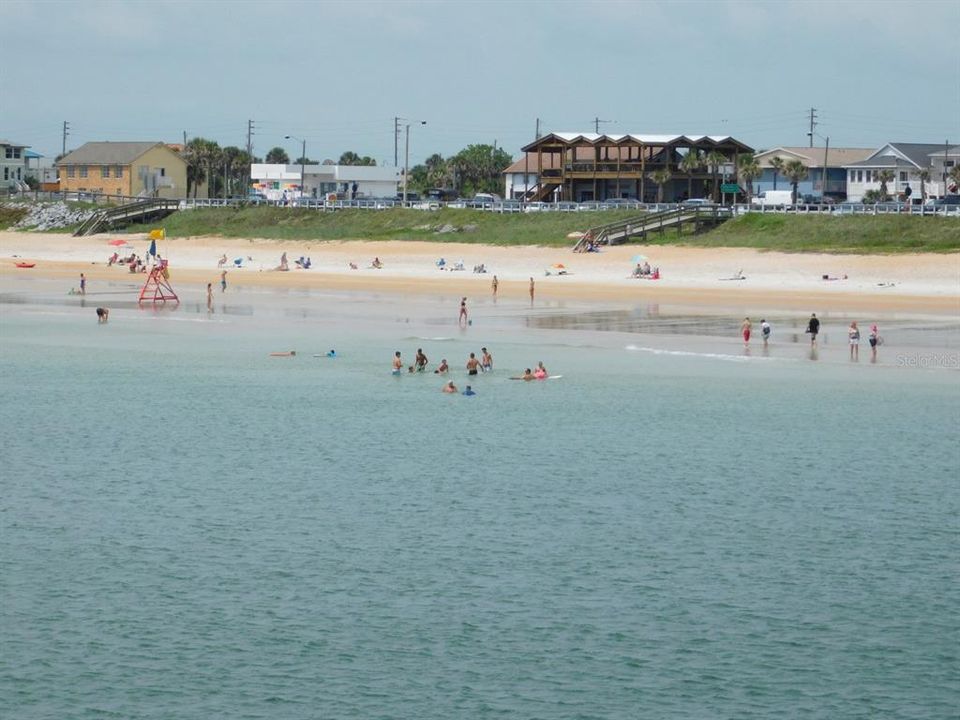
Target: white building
<point>941,163</point>
<point>13,164</point>
<point>350,181</point>
<point>905,161</point>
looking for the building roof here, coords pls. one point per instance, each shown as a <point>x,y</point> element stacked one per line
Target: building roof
<point>108,153</point>
<point>951,152</point>
<point>655,140</point>
<point>917,155</point>
<point>13,144</point>
<point>812,157</point>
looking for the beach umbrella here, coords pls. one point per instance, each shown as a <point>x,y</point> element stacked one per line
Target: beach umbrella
<point>117,243</point>
<point>639,258</point>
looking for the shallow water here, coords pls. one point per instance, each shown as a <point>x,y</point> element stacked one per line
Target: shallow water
<point>193,529</point>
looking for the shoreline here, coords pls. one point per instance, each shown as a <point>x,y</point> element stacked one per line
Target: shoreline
<point>921,283</point>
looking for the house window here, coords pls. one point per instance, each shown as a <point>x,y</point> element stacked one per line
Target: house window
<point>17,152</point>
<point>8,153</point>
<point>105,171</point>
<point>6,173</point>
<point>118,171</point>
<point>903,177</point>
<point>163,172</point>
<point>948,163</point>
<point>71,171</point>
<point>18,174</point>
<point>83,171</point>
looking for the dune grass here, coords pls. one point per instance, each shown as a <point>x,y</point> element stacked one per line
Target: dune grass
<point>787,233</point>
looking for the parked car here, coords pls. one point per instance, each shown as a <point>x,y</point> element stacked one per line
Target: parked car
<point>697,202</point>
<point>481,200</point>
<point>947,200</point>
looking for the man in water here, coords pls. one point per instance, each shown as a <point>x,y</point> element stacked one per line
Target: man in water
<point>223,281</point>
<point>83,284</point>
<point>209,296</point>
<point>813,327</point>
<point>397,363</point>
<point>527,375</point>
<point>486,360</point>
<point>463,311</point>
<point>494,284</point>
<point>449,387</point>
<point>473,365</point>
<point>421,360</point>
<point>331,353</point>
<point>469,391</point>
<point>443,369</point>
<point>103,315</point>
<point>765,331</point>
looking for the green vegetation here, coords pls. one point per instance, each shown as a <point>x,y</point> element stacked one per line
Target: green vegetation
<point>789,233</point>
<point>10,215</point>
<point>825,233</point>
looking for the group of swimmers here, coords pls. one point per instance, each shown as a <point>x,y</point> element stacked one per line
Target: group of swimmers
<point>473,365</point>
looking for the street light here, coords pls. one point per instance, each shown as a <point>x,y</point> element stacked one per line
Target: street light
<point>406,159</point>
<point>826,152</point>
<point>303,160</point>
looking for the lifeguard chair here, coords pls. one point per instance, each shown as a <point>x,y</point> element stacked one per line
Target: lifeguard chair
<point>157,287</point>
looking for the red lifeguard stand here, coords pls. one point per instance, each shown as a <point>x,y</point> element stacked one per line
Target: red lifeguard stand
<point>157,287</point>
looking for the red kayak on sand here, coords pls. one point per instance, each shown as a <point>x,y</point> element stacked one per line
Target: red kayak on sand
<point>26,265</point>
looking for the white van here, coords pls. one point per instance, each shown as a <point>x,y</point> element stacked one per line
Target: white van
<point>773,198</point>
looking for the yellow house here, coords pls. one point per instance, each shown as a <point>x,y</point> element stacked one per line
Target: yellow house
<point>132,169</point>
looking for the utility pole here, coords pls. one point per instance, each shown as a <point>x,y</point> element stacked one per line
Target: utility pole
<point>596,124</point>
<point>537,135</point>
<point>826,152</point>
<point>250,135</point>
<point>813,124</point>
<point>946,152</point>
<point>66,131</point>
<point>396,139</point>
<point>184,139</point>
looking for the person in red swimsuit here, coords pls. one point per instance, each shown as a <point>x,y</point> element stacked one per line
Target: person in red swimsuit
<point>745,329</point>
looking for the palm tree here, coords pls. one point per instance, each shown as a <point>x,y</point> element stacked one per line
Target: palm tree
<point>349,158</point>
<point>885,176</point>
<point>924,176</point>
<point>661,177</point>
<point>198,153</point>
<point>954,176</point>
<point>749,169</point>
<point>795,171</point>
<point>776,163</point>
<point>277,156</point>
<point>691,162</point>
<point>714,160</point>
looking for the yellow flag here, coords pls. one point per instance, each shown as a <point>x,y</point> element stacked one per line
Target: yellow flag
<point>157,234</point>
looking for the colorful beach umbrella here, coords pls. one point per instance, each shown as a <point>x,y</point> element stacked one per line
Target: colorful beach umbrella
<point>639,258</point>
<point>117,243</point>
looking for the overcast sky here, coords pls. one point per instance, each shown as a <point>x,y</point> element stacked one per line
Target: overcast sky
<point>336,73</point>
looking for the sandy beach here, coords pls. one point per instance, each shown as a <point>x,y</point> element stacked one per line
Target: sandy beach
<point>922,283</point>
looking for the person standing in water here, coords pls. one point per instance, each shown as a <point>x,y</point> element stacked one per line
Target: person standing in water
<point>103,315</point>
<point>486,360</point>
<point>209,296</point>
<point>83,284</point>
<point>531,291</point>
<point>494,284</point>
<point>463,312</point>
<point>874,341</point>
<point>765,331</point>
<point>813,327</point>
<point>420,360</point>
<point>745,327</point>
<point>397,363</point>
<point>223,281</point>
<point>473,365</point>
<point>853,333</point>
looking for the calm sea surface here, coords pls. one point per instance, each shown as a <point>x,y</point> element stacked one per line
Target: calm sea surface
<point>193,529</point>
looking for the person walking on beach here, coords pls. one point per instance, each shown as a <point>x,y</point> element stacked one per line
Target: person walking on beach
<point>209,297</point>
<point>397,363</point>
<point>813,327</point>
<point>765,331</point>
<point>745,327</point>
<point>874,341</point>
<point>463,312</point>
<point>223,281</point>
<point>853,333</point>
<point>83,284</point>
<point>494,284</point>
<point>531,291</point>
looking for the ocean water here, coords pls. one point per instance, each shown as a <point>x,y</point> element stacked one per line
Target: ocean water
<point>193,529</point>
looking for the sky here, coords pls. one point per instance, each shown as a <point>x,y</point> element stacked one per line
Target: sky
<point>336,74</point>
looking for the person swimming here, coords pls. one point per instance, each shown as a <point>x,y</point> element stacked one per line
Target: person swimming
<point>443,368</point>
<point>527,375</point>
<point>331,353</point>
<point>449,388</point>
<point>469,391</point>
<point>541,372</point>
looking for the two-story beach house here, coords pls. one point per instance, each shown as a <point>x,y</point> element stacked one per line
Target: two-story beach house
<point>140,169</point>
<point>904,161</point>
